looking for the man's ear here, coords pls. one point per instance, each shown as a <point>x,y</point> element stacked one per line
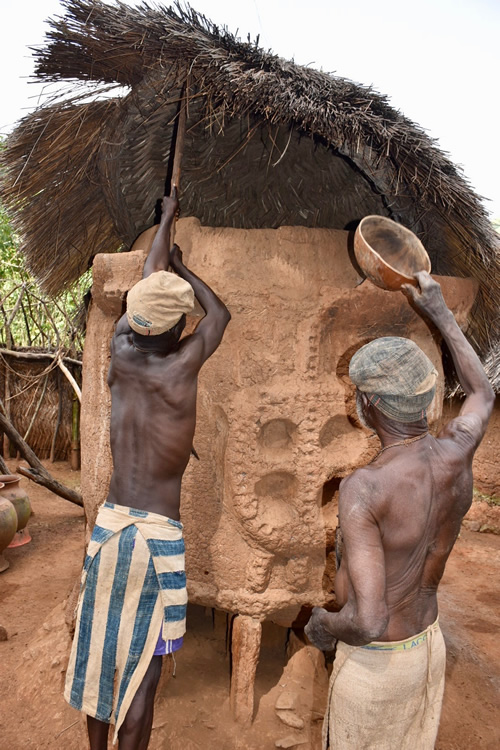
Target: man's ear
<point>368,407</point>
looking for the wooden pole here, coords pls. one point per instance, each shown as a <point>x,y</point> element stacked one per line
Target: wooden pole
<point>38,473</point>
<point>59,419</point>
<point>6,398</point>
<point>9,340</point>
<point>70,378</point>
<point>75,434</point>
<point>39,355</point>
<point>48,481</point>
<point>178,145</point>
<point>37,408</point>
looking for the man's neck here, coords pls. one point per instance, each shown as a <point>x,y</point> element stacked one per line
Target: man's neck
<point>146,350</point>
<point>389,431</point>
<point>151,344</point>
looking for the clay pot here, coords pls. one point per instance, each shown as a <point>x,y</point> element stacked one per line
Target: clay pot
<point>21,502</point>
<point>8,526</point>
<point>388,253</point>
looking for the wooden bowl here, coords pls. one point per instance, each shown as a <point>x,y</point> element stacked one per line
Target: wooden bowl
<point>388,253</point>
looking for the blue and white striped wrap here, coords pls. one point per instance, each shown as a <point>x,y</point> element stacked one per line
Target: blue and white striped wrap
<point>133,579</point>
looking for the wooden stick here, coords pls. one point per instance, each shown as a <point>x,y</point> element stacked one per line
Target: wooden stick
<point>38,355</point>
<point>15,309</point>
<point>66,728</point>
<point>179,145</point>
<point>8,428</point>
<point>37,409</point>
<point>6,409</point>
<point>9,293</point>
<point>52,457</point>
<point>9,340</point>
<point>38,473</point>
<point>71,379</point>
<point>48,481</point>
<point>178,152</point>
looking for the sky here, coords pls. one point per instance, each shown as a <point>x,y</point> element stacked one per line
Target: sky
<point>438,61</point>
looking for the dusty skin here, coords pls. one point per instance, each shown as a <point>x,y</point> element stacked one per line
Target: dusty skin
<point>192,711</point>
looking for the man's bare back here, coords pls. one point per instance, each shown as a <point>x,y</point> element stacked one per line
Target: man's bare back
<point>400,515</point>
<point>418,498</point>
<point>152,426</point>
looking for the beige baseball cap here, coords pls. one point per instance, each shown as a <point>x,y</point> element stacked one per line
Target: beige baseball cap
<point>155,304</point>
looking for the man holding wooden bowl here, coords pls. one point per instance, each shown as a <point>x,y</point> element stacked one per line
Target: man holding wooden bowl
<point>399,518</point>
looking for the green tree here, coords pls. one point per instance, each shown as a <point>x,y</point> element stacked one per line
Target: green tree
<point>27,317</point>
<point>9,259</point>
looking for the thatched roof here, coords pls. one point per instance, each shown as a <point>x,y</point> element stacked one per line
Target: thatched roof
<point>268,143</point>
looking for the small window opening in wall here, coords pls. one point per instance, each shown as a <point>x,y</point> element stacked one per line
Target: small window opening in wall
<point>330,489</point>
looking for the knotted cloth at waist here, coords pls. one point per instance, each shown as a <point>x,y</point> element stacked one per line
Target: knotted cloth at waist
<point>133,585</point>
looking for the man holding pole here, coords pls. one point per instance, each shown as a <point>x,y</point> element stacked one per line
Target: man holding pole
<point>399,518</point>
<point>131,609</point>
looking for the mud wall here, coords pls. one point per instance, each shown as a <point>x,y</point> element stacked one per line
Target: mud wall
<point>276,428</point>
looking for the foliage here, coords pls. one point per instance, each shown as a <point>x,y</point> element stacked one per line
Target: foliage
<point>28,318</point>
<point>8,252</point>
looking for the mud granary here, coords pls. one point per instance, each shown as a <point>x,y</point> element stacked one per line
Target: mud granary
<point>279,163</point>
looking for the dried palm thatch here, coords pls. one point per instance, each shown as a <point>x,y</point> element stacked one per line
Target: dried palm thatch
<point>268,143</point>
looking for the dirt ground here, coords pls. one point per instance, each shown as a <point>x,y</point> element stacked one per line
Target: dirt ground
<point>193,711</point>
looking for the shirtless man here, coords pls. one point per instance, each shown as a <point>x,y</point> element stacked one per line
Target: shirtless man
<point>132,604</point>
<point>399,517</point>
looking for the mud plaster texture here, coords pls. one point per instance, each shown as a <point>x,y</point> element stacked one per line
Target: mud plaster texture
<point>276,424</point>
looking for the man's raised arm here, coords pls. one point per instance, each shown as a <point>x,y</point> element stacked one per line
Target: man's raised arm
<point>480,397</point>
<point>159,255</point>
<point>209,332</point>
